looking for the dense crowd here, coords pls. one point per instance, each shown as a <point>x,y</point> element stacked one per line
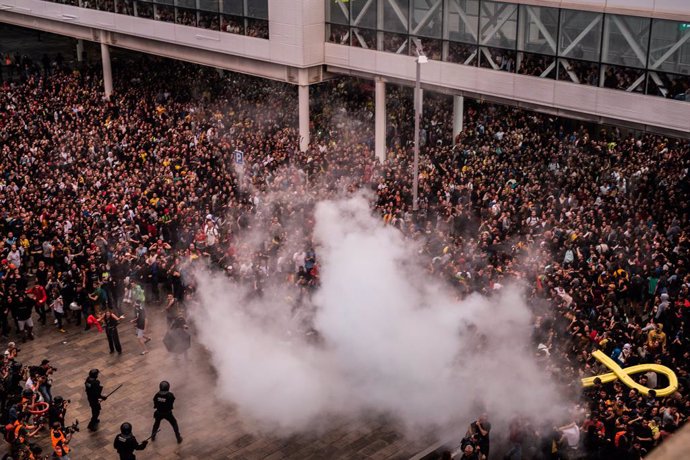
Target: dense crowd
<point>107,204</point>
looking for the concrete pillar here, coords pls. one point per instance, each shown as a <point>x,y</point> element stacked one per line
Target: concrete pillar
<point>80,50</point>
<point>380,120</point>
<point>107,71</point>
<point>458,114</point>
<point>303,93</point>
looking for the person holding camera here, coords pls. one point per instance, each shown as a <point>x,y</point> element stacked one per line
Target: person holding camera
<point>60,441</point>
<point>478,432</point>
<point>44,373</point>
<point>57,411</point>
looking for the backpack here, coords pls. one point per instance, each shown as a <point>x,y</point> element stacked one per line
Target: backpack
<point>9,432</point>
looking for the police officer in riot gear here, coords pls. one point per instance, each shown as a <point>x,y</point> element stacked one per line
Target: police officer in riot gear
<point>94,394</point>
<point>125,443</point>
<point>163,403</point>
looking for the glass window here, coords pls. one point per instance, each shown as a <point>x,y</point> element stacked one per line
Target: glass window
<point>625,40</point>
<point>125,7</point>
<point>363,13</point>
<point>209,5</point>
<point>580,35</point>
<point>433,49</point>
<point>581,72</point>
<point>395,43</point>
<point>498,24</point>
<point>363,38</point>
<point>536,65</point>
<point>670,47</point>
<point>232,24</point>
<point>669,85</point>
<point>538,31</point>
<point>338,34</point>
<point>497,59</point>
<point>186,17</point>
<point>144,9</point>
<point>191,4</point>
<point>395,16</point>
<point>463,20</point>
<point>624,78</point>
<point>209,20</point>
<point>337,12</point>
<point>164,13</point>
<point>164,2</point>
<point>427,18</point>
<point>462,53</point>
<point>258,9</point>
<point>233,7</point>
<point>102,5</point>
<point>257,28</point>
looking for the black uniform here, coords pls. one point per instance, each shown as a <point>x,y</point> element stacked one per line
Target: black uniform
<point>163,403</point>
<point>56,413</point>
<point>94,393</point>
<point>126,444</point>
<point>112,334</point>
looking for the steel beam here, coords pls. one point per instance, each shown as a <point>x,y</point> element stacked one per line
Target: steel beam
<point>427,17</point>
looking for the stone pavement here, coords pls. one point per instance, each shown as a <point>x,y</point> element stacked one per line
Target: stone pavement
<point>211,429</point>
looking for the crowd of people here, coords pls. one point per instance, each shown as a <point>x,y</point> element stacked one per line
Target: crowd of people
<point>109,204</point>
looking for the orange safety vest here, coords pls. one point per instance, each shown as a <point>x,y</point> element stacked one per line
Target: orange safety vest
<point>17,426</point>
<point>59,443</point>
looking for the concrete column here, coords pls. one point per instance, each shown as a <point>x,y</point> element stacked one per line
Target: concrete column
<point>107,71</point>
<point>380,120</point>
<point>458,114</point>
<point>80,50</point>
<point>303,93</point>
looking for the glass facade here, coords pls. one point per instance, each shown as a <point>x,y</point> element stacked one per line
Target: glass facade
<point>628,53</point>
<point>243,17</point>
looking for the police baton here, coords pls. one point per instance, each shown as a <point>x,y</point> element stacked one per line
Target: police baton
<point>118,387</point>
<point>149,438</point>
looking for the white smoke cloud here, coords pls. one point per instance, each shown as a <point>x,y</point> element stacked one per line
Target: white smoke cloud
<point>393,340</point>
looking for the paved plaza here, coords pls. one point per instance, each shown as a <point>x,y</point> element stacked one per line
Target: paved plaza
<point>211,429</point>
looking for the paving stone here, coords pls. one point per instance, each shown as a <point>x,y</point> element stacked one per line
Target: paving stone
<point>212,429</point>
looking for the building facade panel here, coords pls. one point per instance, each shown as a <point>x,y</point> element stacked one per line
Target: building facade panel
<point>576,55</point>
<point>559,95</point>
<point>595,46</point>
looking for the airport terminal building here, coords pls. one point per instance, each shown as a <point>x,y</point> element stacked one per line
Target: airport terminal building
<point>620,61</point>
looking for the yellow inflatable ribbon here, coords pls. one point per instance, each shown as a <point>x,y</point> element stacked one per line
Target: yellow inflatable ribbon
<point>623,374</point>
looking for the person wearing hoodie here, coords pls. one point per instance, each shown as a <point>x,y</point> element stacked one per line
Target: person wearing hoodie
<point>622,355</point>
<point>663,306</point>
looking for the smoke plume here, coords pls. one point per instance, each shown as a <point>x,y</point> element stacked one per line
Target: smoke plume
<point>392,340</point>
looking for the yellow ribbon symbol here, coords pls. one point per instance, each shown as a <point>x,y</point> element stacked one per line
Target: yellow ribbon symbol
<point>624,374</point>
